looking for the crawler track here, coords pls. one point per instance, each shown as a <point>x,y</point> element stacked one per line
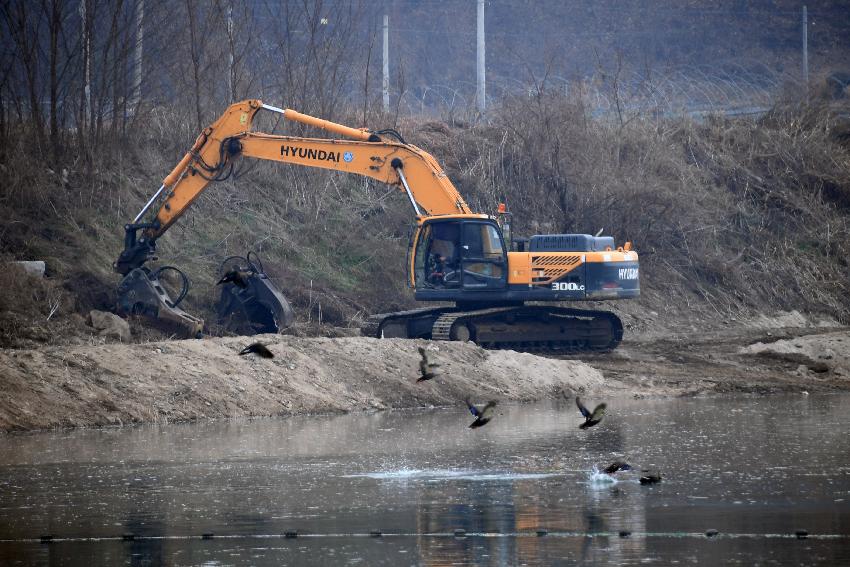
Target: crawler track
<point>530,328</point>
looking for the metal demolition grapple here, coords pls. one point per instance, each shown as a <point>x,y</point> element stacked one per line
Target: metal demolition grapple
<point>257,306</point>
<point>251,303</point>
<point>141,293</point>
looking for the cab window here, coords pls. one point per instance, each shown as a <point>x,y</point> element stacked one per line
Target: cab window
<point>437,259</point>
<point>482,250</point>
<point>419,260</point>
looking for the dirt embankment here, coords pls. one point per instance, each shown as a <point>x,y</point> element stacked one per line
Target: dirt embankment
<point>199,379</point>
<point>168,381</point>
<point>743,358</point>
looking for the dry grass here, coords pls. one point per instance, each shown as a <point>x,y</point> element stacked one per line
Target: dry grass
<point>32,309</point>
<point>729,215</point>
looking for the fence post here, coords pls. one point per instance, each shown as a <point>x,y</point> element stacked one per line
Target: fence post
<point>806,49</point>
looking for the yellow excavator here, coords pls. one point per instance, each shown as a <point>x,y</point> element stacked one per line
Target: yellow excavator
<point>495,290</point>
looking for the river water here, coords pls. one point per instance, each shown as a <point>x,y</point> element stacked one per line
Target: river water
<point>756,469</point>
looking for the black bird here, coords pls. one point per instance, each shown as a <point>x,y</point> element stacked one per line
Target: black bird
<point>237,277</point>
<point>617,466</point>
<point>482,414</point>
<point>590,419</point>
<point>427,369</point>
<point>650,477</point>
<point>257,348</point>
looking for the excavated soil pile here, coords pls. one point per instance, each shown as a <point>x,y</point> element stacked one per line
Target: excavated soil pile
<point>821,356</point>
<point>201,379</point>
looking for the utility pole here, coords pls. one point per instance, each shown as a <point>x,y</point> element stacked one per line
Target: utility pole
<point>230,52</point>
<point>481,79</point>
<point>140,37</point>
<point>86,63</point>
<point>806,48</point>
<point>386,82</point>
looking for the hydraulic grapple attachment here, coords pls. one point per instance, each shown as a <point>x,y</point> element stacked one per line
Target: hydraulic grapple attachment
<point>250,302</point>
<point>142,293</point>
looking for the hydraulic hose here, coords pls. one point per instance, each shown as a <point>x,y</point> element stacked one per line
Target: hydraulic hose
<point>185,282</point>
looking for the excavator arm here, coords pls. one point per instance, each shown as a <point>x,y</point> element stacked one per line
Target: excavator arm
<point>214,154</point>
<point>213,157</point>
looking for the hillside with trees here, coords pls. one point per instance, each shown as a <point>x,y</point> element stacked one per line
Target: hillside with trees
<point>732,216</point>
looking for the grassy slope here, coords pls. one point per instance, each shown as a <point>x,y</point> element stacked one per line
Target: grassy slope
<point>729,216</point>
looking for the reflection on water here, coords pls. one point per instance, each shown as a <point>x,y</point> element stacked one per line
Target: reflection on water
<point>523,489</point>
<point>438,475</point>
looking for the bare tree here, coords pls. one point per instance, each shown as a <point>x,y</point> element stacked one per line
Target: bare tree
<point>24,27</point>
<point>200,25</point>
<point>316,48</point>
<point>241,39</point>
<point>366,78</point>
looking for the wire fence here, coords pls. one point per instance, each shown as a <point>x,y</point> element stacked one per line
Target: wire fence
<point>733,90</point>
<point>737,89</point>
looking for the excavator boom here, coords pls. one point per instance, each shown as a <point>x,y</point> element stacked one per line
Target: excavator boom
<point>395,163</point>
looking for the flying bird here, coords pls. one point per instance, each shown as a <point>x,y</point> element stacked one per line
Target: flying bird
<point>257,348</point>
<point>617,466</point>
<point>427,369</point>
<point>650,477</point>
<point>482,414</point>
<point>236,277</point>
<point>590,418</point>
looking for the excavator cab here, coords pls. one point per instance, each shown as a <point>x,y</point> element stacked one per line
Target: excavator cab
<point>456,255</point>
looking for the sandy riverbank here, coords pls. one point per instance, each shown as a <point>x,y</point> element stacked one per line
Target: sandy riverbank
<point>171,381</point>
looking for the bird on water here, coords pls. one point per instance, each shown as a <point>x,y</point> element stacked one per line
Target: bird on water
<point>617,466</point>
<point>650,477</point>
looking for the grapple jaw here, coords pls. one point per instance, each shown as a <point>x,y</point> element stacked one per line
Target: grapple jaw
<point>255,306</point>
<point>142,293</point>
